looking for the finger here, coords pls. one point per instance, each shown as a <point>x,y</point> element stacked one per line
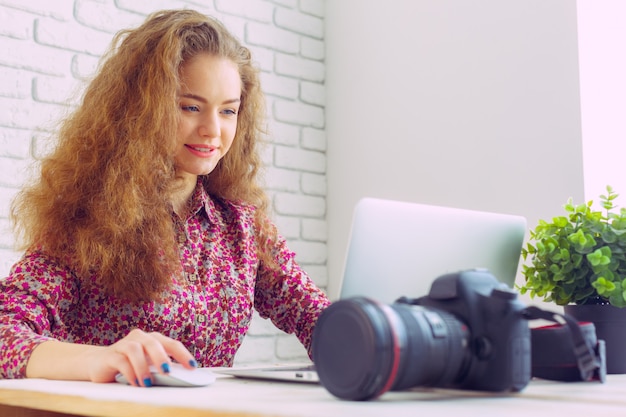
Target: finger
<point>154,350</point>
<point>136,357</point>
<point>108,364</point>
<point>127,370</point>
<point>177,350</point>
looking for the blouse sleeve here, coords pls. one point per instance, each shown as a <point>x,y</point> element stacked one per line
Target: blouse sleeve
<point>30,298</point>
<point>289,297</point>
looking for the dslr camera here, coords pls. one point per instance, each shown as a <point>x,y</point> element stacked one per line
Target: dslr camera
<point>469,332</point>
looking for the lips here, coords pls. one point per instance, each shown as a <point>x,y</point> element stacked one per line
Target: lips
<point>201,150</point>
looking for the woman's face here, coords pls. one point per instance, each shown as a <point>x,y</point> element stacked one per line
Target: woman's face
<point>209,100</point>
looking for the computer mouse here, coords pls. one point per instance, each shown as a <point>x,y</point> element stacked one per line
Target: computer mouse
<point>177,377</point>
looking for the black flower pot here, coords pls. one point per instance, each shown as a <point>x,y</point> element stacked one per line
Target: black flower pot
<point>610,325</point>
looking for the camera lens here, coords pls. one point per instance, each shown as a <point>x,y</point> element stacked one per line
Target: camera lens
<point>362,348</point>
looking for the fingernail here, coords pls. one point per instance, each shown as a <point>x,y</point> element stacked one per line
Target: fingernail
<point>147,382</point>
<point>137,382</point>
<point>166,367</point>
<point>193,363</point>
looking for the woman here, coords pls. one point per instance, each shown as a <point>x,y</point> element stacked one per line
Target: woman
<point>146,236</point>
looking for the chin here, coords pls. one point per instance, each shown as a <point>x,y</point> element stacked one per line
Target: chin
<point>207,171</point>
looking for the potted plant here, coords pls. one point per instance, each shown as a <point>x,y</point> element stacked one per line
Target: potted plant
<point>578,260</point>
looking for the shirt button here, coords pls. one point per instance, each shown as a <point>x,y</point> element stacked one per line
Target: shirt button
<point>193,277</point>
<point>182,237</point>
<point>201,318</point>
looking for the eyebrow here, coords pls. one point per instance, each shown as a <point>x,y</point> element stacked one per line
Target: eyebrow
<point>204,100</point>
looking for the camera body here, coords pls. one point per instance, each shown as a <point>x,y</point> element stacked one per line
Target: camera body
<point>500,339</point>
<point>468,332</point>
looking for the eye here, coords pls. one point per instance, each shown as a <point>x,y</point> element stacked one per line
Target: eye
<point>230,112</point>
<point>191,108</point>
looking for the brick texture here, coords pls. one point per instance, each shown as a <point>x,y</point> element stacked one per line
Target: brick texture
<point>50,48</point>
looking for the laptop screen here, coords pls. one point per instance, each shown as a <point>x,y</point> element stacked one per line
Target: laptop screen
<point>399,248</point>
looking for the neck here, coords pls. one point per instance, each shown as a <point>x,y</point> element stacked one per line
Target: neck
<point>182,195</point>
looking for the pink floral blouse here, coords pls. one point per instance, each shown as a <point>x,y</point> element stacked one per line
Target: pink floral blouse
<point>208,309</point>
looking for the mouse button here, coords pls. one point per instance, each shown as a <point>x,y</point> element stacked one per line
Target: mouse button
<point>185,377</point>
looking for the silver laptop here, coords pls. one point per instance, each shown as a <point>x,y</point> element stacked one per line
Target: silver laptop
<point>399,248</point>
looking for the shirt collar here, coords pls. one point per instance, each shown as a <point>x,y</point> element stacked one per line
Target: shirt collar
<point>201,200</point>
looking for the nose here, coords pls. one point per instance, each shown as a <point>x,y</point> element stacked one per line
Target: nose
<point>210,125</point>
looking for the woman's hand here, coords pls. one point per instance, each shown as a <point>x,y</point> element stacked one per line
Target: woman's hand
<point>133,355</point>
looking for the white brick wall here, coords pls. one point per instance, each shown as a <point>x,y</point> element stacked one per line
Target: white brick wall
<point>47,48</point>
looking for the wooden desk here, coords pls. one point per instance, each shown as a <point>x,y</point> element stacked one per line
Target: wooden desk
<point>234,397</point>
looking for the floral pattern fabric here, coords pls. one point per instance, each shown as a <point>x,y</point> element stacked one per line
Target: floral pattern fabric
<point>208,309</point>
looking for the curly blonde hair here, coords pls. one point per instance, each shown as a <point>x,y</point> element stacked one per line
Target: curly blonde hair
<point>103,199</point>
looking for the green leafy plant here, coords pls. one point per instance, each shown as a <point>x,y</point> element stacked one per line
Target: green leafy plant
<point>578,258</point>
